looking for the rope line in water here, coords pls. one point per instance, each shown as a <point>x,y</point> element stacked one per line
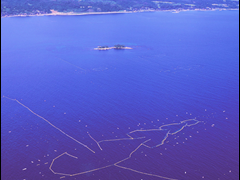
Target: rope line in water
<point>51,124</point>
<point>95,141</point>
<point>130,155</point>
<point>110,140</point>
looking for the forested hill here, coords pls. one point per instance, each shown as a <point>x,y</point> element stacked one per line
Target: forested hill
<point>30,7</point>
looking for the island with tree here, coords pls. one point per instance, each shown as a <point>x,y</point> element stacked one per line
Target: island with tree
<point>117,47</point>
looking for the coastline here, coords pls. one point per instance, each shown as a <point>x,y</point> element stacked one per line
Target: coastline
<point>56,13</point>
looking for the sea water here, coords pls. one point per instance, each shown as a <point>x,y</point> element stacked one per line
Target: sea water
<point>67,97</point>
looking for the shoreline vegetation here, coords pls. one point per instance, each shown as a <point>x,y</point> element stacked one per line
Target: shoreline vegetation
<point>25,8</point>
<point>116,47</point>
<point>56,13</point>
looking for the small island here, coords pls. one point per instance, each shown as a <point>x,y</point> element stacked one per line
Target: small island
<point>117,47</point>
<point>102,48</point>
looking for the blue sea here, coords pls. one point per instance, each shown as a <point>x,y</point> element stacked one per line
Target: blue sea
<point>66,98</point>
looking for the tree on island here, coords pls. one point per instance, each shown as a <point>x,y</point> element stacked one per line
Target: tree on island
<point>119,46</point>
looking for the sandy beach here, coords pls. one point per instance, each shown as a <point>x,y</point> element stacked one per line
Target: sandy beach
<point>56,13</point>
